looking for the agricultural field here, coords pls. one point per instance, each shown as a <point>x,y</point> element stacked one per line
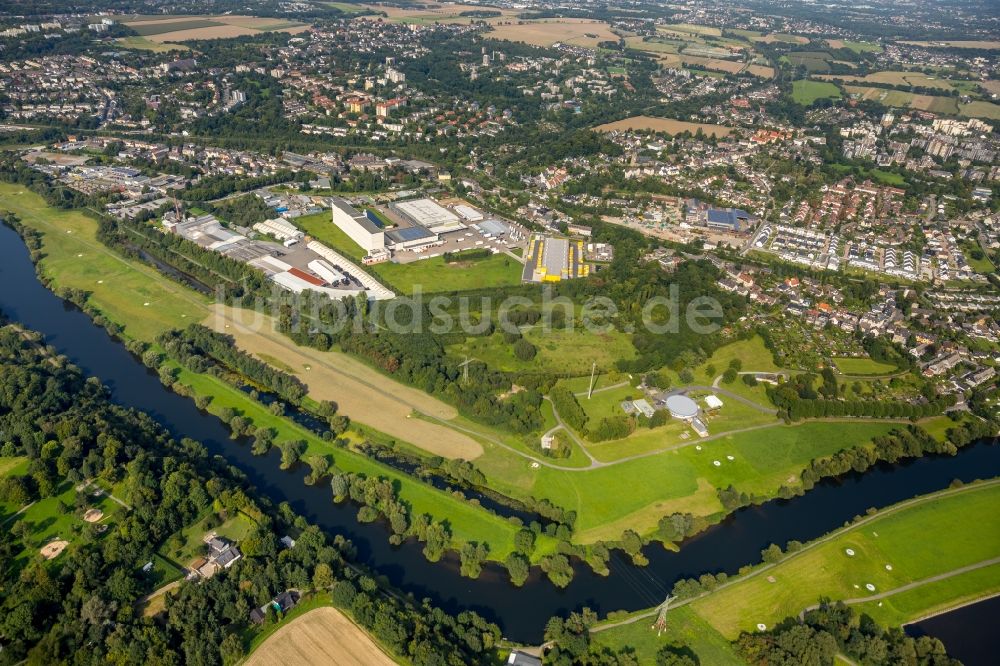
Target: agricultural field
<point>813,61</point>
<point>321,637</point>
<point>143,44</point>
<point>178,29</point>
<point>981,109</point>
<point>427,15</point>
<point>806,91</point>
<point>667,125</point>
<point>546,32</point>
<point>933,103</point>
<point>897,78</point>
<point>966,527</point>
<point>857,47</point>
<point>989,45</point>
<point>359,391</point>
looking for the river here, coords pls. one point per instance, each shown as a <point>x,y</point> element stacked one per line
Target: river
<point>521,613</point>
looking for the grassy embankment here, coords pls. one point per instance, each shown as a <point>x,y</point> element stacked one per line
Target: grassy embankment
<point>919,539</point>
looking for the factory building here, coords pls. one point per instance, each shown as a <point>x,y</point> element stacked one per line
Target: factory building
<point>429,214</point>
<point>357,225</point>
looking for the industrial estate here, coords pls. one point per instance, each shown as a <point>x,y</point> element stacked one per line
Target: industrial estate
<point>500,333</point>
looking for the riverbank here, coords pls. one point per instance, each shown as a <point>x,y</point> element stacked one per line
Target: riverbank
<point>887,550</point>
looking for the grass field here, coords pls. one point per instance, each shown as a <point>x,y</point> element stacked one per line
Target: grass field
<point>805,91</point>
<point>857,47</point>
<point>668,125</point>
<point>321,637</point>
<point>637,493</point>
<point>982,265</point>
<point>54,517</point>
<point>359,391</point>
<point>131,293</point>
<point>142,44</point>
<point>559,351</point>
<point>990,45</point>
<point>193,536</point>
<point>10,467</point>
<point>684,628</point>
<point>149,28</point>
<point>964,528</point>
<point>546,32</point>
<point>981,109</point>
<point>862,366</point>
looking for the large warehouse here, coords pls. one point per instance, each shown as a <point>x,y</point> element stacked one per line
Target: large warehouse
<point>429,214</point>
<point>357,225</point>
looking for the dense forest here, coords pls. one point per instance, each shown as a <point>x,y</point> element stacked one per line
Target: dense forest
<point>81,606</point>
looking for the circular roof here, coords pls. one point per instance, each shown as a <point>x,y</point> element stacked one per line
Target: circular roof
<point>682,407</point>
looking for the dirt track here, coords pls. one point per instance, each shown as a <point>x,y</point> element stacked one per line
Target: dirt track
<point>362,393</point>
<point>321,637</point>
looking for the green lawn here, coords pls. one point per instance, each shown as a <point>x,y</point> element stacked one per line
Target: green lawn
<point>55,517</point>
<point>139,43</point>
<point>862,47</point>
<point>863,366</point>
<point>434,275</point>
<point>917,542</point>
<point>560,351</point>
<point>982,265</point>
<point>806,91</point>
<point>684,628</point>
<point>192,537</point>
<point>637,493</point>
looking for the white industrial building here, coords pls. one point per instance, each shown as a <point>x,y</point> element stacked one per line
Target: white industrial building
<point>468,213</point>
<point>281,229</point>
<point>368,235</point>
<point>428,214</point>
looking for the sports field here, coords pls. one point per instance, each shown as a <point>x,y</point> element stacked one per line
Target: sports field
<point>667,125</point>
<point>321,637</point>
<point>966,530</point>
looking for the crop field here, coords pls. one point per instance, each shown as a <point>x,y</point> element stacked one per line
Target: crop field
<point>805,91</point>
<point>990,45</point>
<point>667,125</point>
<point>140,298</point>
<point>981,109</point>
<point>180,29</point>
<point>144,44</point>
<point>716,64</point>
<point>654,45</point>
<point>320,637</point>
<point>762,71</point>
<point>813,61</point>
<point>863,366</point>
<point>428,15</point>
<point>899,79</point>
<point>546,32</point>
<point>857,47</point>
<point>360,391</point>
<point>966,530</point>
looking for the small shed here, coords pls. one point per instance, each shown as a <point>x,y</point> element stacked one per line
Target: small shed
<point>712,401</point>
